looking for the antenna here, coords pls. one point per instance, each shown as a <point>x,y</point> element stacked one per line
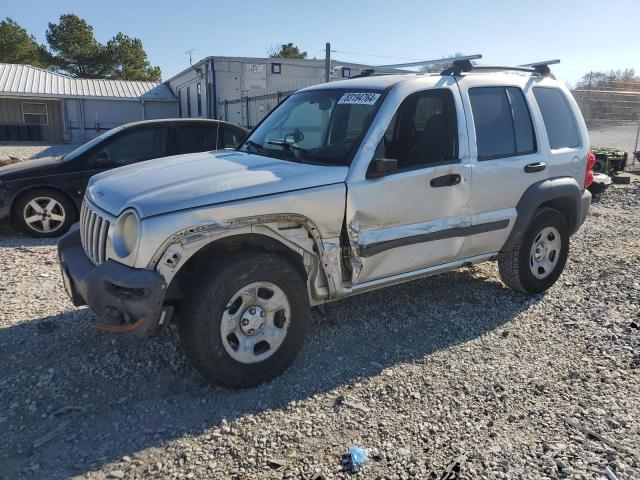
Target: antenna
<point>197,70</point>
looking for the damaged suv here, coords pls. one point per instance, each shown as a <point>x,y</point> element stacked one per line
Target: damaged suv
<point>344,188</point>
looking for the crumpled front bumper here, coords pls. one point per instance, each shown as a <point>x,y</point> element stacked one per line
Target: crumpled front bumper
<point>124,299</point>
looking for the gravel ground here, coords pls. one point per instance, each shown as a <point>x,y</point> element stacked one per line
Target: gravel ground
<point>422,374</point>
<point>34,150</point>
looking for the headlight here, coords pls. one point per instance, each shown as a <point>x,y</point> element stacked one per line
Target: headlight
<point>127,234</point>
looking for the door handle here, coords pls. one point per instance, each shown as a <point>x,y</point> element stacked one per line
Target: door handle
<point>535,167</point>
<point>446,180</point>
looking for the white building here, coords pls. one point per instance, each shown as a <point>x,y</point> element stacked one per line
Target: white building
<point>242,90</point>
<point>39,105</point>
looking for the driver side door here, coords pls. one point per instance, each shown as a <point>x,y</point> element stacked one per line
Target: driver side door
<point>415,216</point>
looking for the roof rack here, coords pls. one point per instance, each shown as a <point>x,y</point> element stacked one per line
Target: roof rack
<point>463,65</point>
<point>377,70</point>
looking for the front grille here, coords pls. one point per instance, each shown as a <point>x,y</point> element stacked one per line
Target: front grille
<point>93,233</point>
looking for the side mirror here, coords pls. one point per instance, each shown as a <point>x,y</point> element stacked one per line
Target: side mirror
<point>379,167</point>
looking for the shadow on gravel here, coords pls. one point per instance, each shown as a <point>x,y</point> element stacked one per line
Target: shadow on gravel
<point>74,399</point>
<point>10,238</point>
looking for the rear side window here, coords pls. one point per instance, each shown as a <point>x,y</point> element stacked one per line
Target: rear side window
<point>559,121</point>
<point>195,138</point>
<point>502,122</point>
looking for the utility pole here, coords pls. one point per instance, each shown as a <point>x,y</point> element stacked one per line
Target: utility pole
<point>327,63</point>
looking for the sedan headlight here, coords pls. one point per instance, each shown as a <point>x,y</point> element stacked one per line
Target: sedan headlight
<point>126,236</point>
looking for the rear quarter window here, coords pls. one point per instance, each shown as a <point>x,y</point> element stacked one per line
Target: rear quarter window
<point>502,122</point>
<point>559,121</point>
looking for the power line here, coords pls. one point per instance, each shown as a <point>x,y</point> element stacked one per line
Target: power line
<point>372,55</point>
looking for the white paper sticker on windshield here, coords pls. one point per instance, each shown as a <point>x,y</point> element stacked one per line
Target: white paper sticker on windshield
<point>359,98</point>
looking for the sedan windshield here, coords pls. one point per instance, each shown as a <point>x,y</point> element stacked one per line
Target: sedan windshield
<point>316,126</point>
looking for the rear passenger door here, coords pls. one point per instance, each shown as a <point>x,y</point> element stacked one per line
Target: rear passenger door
<point>194,137</point>
<point>506,157</point>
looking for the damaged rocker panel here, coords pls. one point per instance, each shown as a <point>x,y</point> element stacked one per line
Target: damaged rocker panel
<point>375,248</point>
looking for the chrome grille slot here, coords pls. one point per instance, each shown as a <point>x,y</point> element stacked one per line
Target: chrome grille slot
<point>94,230</point>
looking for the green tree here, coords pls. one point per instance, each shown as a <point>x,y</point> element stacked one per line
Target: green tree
<point>287,50</point>
<point>128,60</point>
<point>17,46</point>
<point>612,80</point>
<point>75,49</point>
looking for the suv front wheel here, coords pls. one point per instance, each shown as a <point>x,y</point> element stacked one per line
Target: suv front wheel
<point>539,257</point>
<point>245,319</point>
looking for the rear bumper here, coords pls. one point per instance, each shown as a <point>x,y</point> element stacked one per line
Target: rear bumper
<point>123,299</point>
<point>585,204</point>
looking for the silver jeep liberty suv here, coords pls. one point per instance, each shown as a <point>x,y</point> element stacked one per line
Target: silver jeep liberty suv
<point>344,188</point>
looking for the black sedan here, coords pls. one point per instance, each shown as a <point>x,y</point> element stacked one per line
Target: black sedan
<point>42,197</point>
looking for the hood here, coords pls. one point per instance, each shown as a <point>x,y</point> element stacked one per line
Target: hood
<point>29,168</point>
<point>175,183</point>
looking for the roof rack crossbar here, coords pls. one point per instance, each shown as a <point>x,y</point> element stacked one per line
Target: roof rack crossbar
<point>430,62</point>
<point>463,65</point>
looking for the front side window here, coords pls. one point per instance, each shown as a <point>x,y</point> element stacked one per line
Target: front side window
<point>423,130</point>
<point>229,138</point>
<point>195,138</point>
<point>559,121</point>
<point>502,122</point>
<point>317,126</point>
<point>130,147</point>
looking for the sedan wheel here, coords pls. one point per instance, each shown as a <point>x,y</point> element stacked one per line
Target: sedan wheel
<point>44,215</point>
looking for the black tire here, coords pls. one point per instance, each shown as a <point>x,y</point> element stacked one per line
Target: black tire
<point>597,188</point>
<point>22,210</point>
<point>515,266</point>
<point>214,287</point>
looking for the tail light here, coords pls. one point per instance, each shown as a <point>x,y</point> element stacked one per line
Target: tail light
<point>588,175</point>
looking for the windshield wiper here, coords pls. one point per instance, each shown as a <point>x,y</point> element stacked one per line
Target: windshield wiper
<point>298,152</point>
<point>253,144</point>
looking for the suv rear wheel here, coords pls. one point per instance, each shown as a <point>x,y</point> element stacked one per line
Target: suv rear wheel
<point>539,257</point>
<point>245,319</point>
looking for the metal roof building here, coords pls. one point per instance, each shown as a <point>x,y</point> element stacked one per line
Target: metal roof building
<point>39,105</point>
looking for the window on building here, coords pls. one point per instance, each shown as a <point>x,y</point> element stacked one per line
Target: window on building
<point>346,72</point>
<point>35,113</point>
<point>189,102</point>
<point>502,122</point>
<point>559,121</point>
<point>423,130</point>
<point>199,92</point>
<point>180,103</point>
<point>276,68</point>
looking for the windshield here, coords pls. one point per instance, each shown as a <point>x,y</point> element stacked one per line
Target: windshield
<point>86,146</point>
<point>317,126</point>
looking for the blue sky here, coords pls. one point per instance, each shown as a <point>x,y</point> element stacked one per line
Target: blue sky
<point>585,35</point>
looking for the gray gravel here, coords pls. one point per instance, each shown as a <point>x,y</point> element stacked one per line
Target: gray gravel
<point>34,150</point>
<point>422,373</point>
